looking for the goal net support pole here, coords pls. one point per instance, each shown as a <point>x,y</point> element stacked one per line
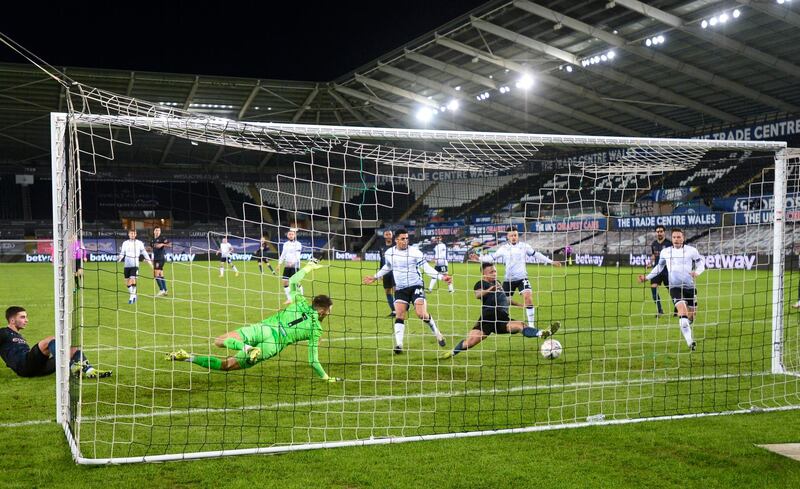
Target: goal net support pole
<point>778,252</point>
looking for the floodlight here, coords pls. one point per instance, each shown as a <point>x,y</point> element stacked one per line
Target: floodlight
<point>424,114</point>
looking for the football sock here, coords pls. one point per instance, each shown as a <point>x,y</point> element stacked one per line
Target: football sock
<point>432,324</point>
<point>213,363</point>
<point>529,332</point>
<point>390,300</point>
<point>656,299</point>
<point>530,312</point>
<point>686,329</point>
<point>459,348</point>
<point>432,284</point>
<point>288,293</point>
<point>399,329</point>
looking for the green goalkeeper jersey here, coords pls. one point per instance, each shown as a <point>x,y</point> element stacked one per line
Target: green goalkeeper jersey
<point>298,322</point>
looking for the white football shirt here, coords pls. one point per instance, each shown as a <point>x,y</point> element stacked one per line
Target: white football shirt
<point>680,262</point>
<point>515,258</point>
<point>291,254</point>
<point>130,251</point>
<point>440,254</point>
<point>404,265</point>
<point>225,249</point>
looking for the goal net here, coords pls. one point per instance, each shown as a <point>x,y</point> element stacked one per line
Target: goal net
<point>589,204</point>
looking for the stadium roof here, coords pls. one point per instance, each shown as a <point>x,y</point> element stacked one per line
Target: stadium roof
<point>741,69</point>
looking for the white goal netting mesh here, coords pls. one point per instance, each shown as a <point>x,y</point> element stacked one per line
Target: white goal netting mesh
<point>588,204</point>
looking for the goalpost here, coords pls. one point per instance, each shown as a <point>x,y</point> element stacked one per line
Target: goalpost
<point>588,202</point>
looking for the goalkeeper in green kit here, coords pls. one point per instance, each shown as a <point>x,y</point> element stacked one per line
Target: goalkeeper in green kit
<point>258,342</point>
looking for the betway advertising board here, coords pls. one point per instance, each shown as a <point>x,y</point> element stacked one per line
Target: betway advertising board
<point>712,261</point>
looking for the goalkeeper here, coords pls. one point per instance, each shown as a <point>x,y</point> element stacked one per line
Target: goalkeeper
<point>261,341</point>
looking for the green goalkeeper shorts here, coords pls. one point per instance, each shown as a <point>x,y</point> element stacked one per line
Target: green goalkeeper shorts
<point>258,336</point>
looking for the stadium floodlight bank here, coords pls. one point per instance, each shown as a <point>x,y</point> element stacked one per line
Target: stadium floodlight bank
<point>588,202</point>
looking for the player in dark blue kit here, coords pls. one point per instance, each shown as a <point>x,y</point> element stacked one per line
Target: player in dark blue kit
<point>159,244</point>
<point>388,279</point>
<point>39,360</point>
<point>662,278</point>
<point>262,256</point>
<point>494,314</point>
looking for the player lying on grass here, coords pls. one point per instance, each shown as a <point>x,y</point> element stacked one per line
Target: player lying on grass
<point>494,314</point>
<point>258,342</point>
<point>40,359</point>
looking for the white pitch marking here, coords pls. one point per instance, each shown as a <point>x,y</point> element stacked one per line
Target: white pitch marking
<point>351,400</point>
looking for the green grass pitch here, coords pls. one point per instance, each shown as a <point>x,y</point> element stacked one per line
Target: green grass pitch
<point>619,361</point>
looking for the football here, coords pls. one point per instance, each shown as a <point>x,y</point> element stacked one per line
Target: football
<point>551,349</point>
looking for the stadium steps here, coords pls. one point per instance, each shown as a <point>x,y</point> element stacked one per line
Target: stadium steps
<point>255,194</point>
<point>491,202</point>
<point>755,179</point>
<point>27,212</point>
<point>418,202</point>
<point>697,236</point>
<point>226,200</point>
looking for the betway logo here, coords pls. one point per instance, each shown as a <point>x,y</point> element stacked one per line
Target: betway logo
<point>179,256</point>
<point>241,256</point>
<point>345,255</point>
<point>722,262</point>
<point>102,257</point>
<point>586,259</point>
<point>38,258</point>
<point>731,262</point>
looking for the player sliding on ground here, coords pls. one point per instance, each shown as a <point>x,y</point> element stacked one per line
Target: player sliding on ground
<point>515,255</point>
<point>494,314</point>
<point>404,261</point>
<point>683,264</point>
<point>261,341</point>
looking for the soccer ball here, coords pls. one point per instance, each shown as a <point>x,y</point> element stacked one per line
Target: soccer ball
<point>551,349</point>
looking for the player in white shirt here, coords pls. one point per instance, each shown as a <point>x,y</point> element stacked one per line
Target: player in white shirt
<point>515,256</point>
<point>225,253</point>
<point>404,262</point>
<point>130,251</point>
<point>683,264</point>
<point>440,262</point>
<point>290,259</point>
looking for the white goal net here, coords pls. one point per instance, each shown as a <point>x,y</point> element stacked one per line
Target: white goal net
<point>589,204</point>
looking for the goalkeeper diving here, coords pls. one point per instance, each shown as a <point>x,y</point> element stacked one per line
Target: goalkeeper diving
<point>255,343</point>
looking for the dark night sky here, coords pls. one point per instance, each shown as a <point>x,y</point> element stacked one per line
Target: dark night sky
<point>312,40</point>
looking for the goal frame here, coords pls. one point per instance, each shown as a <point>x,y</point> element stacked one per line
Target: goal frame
<point>64,224</point>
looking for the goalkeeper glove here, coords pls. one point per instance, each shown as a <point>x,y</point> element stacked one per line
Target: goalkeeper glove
<point>332,380</point>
